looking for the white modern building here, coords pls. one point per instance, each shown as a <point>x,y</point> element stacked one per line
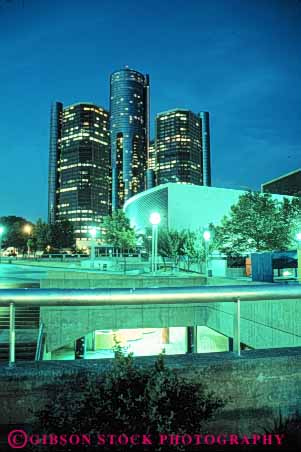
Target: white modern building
<point>183,206</point>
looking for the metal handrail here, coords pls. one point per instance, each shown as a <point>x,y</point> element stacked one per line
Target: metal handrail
<point>159,296</point>
<point>38,355</point>
<point>162,295</point>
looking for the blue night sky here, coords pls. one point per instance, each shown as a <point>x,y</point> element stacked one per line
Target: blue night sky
<point>238,59</point>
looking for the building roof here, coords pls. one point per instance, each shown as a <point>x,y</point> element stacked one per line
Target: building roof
<point>291,173</point>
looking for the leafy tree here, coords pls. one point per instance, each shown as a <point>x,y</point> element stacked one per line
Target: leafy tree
<point>14,234</point>
<point>119,232</point>
<point>196,248</point>
<point>127,398</point>
<point>291,218</point>
<point>256,223</point>
<point>61,234</point>
<point>171,244</point>
<point>186,245</point>
<point>41,235</point>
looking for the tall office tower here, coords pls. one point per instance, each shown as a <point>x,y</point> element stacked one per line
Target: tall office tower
<point>151,161</point>
<point>55,134</point>
<point>204,115</point>
<point>129,127</point>
<point>181,136</point>
<point>83,166</point>
<point>151,166</point>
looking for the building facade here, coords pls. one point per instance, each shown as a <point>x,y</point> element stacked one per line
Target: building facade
<point>183,206</point>
<point>56,115</point>
<point>81,173</point>
<point>129,129</point>
<point>182,148</point>
<point>288,184</point>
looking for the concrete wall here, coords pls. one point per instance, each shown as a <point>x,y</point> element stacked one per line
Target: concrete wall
<point>64,325</point>
<point>263,324</point>
<point>86,280</point>
<point>259,384</point>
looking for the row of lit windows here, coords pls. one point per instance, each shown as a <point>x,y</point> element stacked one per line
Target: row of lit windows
<point>61,190</point>
<point>76,165</point>
<point>99,111</point>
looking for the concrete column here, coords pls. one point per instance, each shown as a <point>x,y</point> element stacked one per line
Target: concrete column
<point>90,341</point>
<point>165,335</point>
<point>80,348</point>
<point>192,339</point>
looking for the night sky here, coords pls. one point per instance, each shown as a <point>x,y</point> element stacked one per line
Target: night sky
<point>238,59</point>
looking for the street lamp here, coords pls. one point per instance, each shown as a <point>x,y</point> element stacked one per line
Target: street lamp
<point>154,219</point>
<point>27,229</point>
<point>1,233</point>
<point>93,233</point>
<point>206,237</point>
<point>298,237</point>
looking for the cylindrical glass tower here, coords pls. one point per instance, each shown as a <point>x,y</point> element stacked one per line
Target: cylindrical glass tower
<point>129,127</point>
<point>55,134</point>
<point>204,115</point>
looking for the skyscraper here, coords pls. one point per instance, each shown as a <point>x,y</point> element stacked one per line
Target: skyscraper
<point>79,166</point>
<point>54,155</point>
<point>206,153</point>
<point>129,128</point>
<point>183,147</point>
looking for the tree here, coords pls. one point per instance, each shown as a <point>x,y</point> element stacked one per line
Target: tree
<point>128,399</point>
<point>61,234</point>
<point>170,244</point>
<point>41,235</point>
<point>291,218</point>
<point>256,223</point>
<point>14,234</point>
<point>119,232</point>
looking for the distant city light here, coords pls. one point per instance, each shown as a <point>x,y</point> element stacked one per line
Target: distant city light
<point>155,218</point>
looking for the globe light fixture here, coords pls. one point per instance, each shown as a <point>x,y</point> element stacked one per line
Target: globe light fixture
<point>154,220</point>
<point>207,236</point>
<point>93,232</point>
<point>28,229</point>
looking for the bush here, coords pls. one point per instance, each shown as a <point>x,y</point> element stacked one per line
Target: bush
<point>290,427</point>
<point>129,399</point>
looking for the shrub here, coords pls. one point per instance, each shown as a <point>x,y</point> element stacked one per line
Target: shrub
<point>129,399</point>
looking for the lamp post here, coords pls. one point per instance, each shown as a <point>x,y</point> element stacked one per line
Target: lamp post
<point>154,219</point>
<point>1,233</point>
<point>27,229</point>
<point>93,233</point>
<point>298,237</point>
<point>206,237</point>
